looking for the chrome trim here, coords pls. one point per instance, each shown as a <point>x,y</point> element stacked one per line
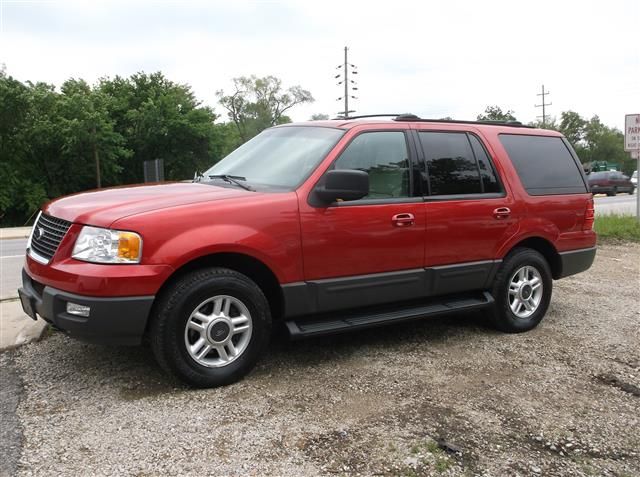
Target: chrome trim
<point>37,258</point>
<point>33,229</point>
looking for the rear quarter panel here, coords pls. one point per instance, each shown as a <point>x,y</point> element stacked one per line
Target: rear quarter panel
<point>557,218</point>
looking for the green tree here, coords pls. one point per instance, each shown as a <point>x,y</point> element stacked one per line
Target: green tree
<point>259,103</point>
<point>19,191</point>
<point>495,113</point>
<point>572,126</point>
<point>54,143</point>
<point>160,119</point>
<point>319,117</point>
<point>550,123</point>
<point>91,148</point>
<point>602,143</point>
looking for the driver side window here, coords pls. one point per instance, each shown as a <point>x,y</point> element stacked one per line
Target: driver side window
<point>383,154</point>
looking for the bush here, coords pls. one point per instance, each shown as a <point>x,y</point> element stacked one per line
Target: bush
<point>617,228</point>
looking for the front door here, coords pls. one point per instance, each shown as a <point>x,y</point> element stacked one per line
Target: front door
<point>370,250</point>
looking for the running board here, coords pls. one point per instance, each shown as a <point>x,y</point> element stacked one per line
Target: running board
<point>338,322</point>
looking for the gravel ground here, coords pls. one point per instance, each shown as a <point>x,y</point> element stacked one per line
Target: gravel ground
<point>434,397</point>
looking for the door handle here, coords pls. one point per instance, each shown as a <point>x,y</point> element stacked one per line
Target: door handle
<point>502,213</point>
<point>403,220</point>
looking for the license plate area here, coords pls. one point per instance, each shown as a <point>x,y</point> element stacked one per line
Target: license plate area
<point>28,304</point>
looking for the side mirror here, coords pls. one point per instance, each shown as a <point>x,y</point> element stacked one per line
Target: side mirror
<point>343,184</point>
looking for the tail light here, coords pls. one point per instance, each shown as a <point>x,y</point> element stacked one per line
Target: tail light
<point>589,215</point>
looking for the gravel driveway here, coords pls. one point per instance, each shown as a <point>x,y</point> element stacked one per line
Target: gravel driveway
<point>433,397</point>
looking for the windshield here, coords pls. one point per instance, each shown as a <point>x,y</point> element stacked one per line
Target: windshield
<point>279,157</point>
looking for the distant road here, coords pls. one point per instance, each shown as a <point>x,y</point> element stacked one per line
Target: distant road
<point>619,204</point>
<point>11,260</point>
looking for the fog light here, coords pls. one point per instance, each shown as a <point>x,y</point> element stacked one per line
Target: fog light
<point>78,310</point>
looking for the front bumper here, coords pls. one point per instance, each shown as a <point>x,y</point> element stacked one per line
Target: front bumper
<point>119,320</point>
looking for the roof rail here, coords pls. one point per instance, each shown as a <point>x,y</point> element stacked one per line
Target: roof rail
<point>508,122</point>
<point>369,116</point>
<point>413,117</point>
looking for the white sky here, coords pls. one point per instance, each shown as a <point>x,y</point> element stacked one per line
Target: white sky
<point>431,58</point>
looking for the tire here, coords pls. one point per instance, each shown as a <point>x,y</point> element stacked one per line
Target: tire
<point>224,309</point>
<point>613,192</point>
<point>631,191</point>
<point>535,265</point>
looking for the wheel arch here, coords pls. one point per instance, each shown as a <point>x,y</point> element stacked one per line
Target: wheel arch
<point>250,266</point>
<point>546,249</point>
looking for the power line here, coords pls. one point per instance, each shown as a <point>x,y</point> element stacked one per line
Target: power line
<point>348,84</point>
<point>543,106</point>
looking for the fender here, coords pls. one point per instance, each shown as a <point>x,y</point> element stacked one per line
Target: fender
<point>234,238</point>
<point>265,227</point>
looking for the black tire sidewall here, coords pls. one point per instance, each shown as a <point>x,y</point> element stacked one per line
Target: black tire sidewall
<point>186,297</point>
<point>503,317</point>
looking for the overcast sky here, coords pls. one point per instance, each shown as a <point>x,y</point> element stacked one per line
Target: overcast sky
<point>434,59</point>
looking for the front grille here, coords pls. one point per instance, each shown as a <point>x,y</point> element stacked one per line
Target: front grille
<point>48,232</point>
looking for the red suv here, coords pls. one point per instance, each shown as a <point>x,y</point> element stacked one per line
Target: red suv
<point>323,226</point>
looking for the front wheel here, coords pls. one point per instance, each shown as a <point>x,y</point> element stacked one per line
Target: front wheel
<point>522,291</point>
<point>210,327</point>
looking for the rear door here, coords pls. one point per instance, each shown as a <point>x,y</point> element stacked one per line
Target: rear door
<point>469,211</point>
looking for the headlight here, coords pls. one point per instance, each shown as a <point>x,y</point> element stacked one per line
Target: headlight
<point>107,246</point>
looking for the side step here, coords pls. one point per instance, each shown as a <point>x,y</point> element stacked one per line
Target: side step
<point>338,322</point>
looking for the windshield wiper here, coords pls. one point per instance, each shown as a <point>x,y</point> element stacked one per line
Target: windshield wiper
<point>233,180</point>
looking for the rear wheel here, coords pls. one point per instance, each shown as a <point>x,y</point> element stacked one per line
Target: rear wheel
<point>210,327</point>
<point>522,291</point>
<point>613,192</point>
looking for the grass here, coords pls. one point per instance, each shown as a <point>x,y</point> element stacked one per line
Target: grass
<point>617,228</point>
<point>442,462</point>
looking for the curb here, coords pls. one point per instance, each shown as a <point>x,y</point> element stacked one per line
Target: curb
<point>22,340</point>
<point>10,233</point>
<point>16,328</point>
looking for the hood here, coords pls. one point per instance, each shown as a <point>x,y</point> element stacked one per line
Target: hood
<point>103,207</point>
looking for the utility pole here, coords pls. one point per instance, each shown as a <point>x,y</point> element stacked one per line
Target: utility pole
<point>347,83</point>
<point>543,106</point>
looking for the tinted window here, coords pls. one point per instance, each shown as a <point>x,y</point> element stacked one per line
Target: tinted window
<point>384,156</point>
<point>544,164</point>
<point>451,166</point>
<point>487,173</point>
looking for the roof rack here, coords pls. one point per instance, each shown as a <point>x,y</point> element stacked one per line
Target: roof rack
<point>413,117</point>
<point>369,116</point>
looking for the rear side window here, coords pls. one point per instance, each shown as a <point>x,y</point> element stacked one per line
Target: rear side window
<point>487,174</point>
<point>457,164</point>
<point>544,164</point>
